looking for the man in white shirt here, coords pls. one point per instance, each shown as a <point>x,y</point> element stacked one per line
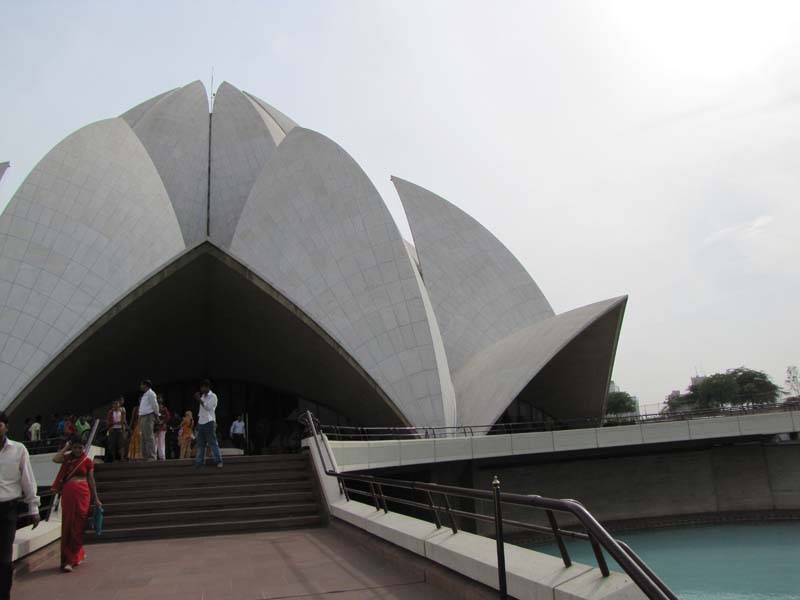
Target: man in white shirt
<point>237,433</point>
<point>36,429</point>
<point>148,413</point>
<point>16,482</point>
<point>207,426</point>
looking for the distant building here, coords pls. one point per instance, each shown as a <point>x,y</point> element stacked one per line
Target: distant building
<point>3,167</point>
<point>612,387</point>
<point>697,379</point>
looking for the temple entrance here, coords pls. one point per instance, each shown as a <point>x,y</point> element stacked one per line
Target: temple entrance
<point>206,315</point>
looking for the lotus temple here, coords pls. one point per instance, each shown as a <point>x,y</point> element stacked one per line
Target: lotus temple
<point>175,243</point>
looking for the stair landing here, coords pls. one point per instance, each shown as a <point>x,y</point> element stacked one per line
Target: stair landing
<point>302,564</point>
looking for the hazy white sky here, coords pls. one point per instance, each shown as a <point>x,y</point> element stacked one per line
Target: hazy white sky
<point>649,149</point>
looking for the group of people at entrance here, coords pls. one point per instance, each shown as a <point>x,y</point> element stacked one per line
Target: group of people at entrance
<point>146,436</point>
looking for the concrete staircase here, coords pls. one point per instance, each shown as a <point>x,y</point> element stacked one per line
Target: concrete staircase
<point>173,499</point>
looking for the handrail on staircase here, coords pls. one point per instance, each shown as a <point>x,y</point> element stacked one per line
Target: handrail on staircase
<point>437,501</point>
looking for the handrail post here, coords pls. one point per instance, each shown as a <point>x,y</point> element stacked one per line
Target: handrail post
<point>437,521</point>
<point>559,539</point>
<point>598,554</point>
<point>374,497</point>
<point>383,499</point>
<point>453,525</point>
<point>498,534</point>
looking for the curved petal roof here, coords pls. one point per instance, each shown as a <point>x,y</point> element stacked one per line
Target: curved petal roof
<point>173,127</point>
<point>479,290</point>
<point>91,219</point>
<point>494,378</point>
<point>241,143</point>
<point>498,329</point>
<point>317,229</point>
<point>450,330</point>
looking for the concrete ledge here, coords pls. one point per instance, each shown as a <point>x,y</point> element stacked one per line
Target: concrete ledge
<point>491,445</point>
<point>714,427</point>
<point>354,456</point>
<point>452,448</point>
<point>28,540</point>
<point>575,439</point>
<point>413,452</point>
<point>383,453</point>
<point>624,435</point>
<point>768,423</point>
<point>531,443</point>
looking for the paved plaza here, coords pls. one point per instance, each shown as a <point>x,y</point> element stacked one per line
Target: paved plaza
<point>299,564</point>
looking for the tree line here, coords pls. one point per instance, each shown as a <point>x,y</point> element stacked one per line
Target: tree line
<point>740,387</point>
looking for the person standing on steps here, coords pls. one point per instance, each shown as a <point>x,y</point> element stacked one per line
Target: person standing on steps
<point>237,433</point>
<point>148,413</point>
<point>207,426</point>
<point>16,482</point>
<point>162,424</point>
<point>115,422</point>
<point>186,434</point>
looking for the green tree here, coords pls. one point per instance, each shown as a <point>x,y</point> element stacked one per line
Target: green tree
<point>716,390</point>
<point>620,403</point>
<point>754,387</point>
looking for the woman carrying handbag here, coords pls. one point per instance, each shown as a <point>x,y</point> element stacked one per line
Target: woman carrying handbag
<point>75,483</point>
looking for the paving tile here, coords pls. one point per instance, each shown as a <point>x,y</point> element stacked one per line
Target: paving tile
<point>305,564</point>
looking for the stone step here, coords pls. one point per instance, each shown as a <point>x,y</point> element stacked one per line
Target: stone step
<point>204,476</point>
<point>206,500</point>
<point>162,464</point>
<point>171,498</point>
<point>204,530</point>
<point>175,490</point>
<point>211,515</point>
<point>180,467</point>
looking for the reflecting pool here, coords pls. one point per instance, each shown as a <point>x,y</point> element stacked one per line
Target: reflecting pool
<point>725,562</point>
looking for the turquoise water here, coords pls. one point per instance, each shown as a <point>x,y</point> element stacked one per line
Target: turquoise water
<point>726,562</point>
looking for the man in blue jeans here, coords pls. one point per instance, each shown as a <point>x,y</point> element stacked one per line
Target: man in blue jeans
<point>207,426</point>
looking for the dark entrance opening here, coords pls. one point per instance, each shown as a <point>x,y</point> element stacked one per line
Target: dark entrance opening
<point>207,315</point>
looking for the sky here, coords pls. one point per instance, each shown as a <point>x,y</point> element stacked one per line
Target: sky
<point>628,147</point>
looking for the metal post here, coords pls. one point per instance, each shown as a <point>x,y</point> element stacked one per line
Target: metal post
<point>435,513</point>
<point>453,525</point>
<point>374,497</point>
<point>383,498</point>
<point>562,548</point>
<point>598,554</point>
<point>498,534</point>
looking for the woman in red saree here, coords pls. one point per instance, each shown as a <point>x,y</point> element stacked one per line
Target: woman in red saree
<point>75,483</point>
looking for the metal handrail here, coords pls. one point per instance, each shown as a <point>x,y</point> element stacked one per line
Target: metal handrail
<point>652,586</point>
<point>353,433</point>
